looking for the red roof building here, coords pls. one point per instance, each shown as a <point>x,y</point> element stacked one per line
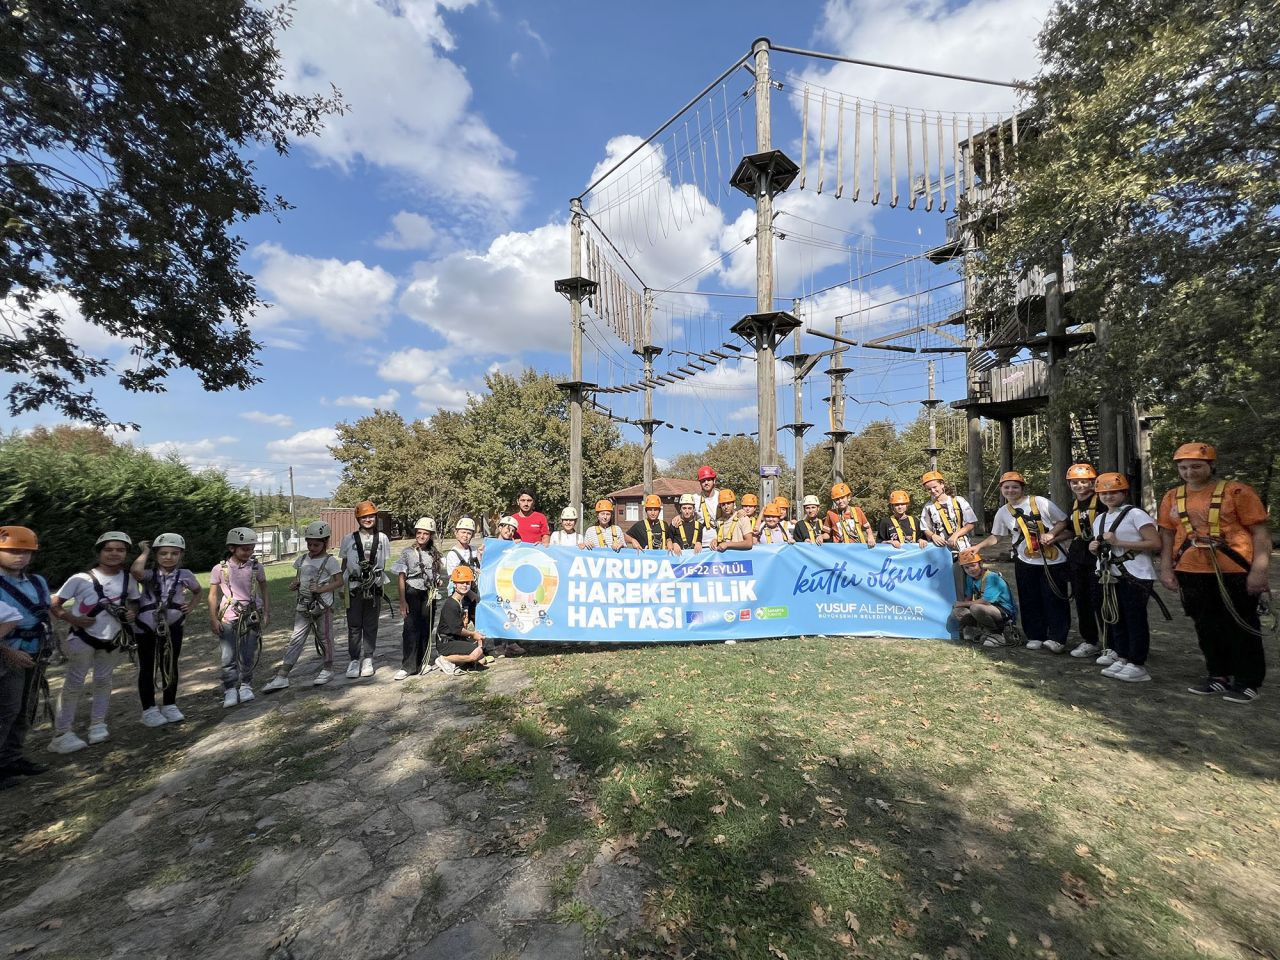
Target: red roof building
<point>627,501</point>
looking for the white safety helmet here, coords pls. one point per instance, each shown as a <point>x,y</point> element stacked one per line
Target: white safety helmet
<point>242,536</point>
<point>169,540</point>
<point>507,522</point>
<point>317,530</point>
<point>568,513</point>
<point>114,535</point>
<point>466,523</point>
<point>425,523</point>
<point>811,501</point>
<point>688,498</point>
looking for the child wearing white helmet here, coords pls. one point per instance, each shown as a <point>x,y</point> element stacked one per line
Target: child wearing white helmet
<point>364,553</point>
<point>809,528</point>
<point>686,528</point>
<point>421,573</point>
<point>567,535</point>
<point>507,528</point>
<point>238,613</point>
<point>316,578</point>
<point>169,593</point>
<point>100,605</point>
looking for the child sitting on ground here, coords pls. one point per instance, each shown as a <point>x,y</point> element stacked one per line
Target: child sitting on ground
<point>989,607</point>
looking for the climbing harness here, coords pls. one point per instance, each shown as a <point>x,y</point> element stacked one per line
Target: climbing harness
<point>367,582</point>
<point>1034,548</point>
<point>897,528</point>
<point>124,638</point>
<point>682,533</point>
<point>1082,522</point>
<point>648,535</point>
<point>37,693</point>
<point>850,524</point>
<point>313,608</point>
<point>615,533</point>
<point>166,659</point>
<point>814,529</point>
<point>248,614</point>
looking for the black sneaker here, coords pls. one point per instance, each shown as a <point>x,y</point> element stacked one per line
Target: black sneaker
<point>1242,695</point>
<point>1210,687</point>
<point>23,767</point>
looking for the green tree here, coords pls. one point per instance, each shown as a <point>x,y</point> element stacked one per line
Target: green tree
<point>737,464</point>
<point>1156,166</point>
<point>124,168</point>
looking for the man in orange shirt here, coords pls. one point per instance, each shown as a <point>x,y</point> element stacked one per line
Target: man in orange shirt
<point>1216,550</point>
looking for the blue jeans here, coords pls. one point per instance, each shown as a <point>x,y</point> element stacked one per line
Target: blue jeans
<point>237,664</point>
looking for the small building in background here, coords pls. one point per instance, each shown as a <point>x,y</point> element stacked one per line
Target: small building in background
<point>627,501</point>
<point>343,521</point>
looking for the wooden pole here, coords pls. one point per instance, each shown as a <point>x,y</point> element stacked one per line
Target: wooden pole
<point>575,359</point>
<point>766,391</point>
<point>798,383</point>
<point>933,422</point>
<point>647,335</point>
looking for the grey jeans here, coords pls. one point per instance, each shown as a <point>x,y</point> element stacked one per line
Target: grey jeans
<point>237,658</point>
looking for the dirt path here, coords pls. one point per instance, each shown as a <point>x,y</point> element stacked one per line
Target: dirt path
<point>314,823</point>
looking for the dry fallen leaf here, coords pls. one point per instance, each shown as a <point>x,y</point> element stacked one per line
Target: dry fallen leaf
<point>819,914</point>
<point>851,921</point>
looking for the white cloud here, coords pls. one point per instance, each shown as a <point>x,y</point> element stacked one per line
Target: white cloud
<point>270,419</point>
<point>75,328</point>
<point>191,452</point>
<point>309,447</point>
<point>434,386</point>
<point>341,297</point>
<point>409,106</point>
<point>381,402</point>
<point>410,231</point>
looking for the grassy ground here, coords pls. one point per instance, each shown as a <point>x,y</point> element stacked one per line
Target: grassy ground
<point>828,798</point>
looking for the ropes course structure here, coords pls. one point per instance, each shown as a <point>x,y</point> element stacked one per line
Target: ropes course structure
<point>681,226</point>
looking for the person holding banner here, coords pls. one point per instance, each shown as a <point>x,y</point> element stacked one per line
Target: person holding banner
<point>507,527</point>
<point>988,607</point>
<point>785,521</point>
<point>809,528</point>
<point>946,520</point>
<point>686,530</point>
<point>750,508</point>
<point>733,529</point>
<point>605,533</point>
<point>567,535</point>
<point>845,523</point>
<point>651,533</point>
<point>1040,569</point>
<point>773,532</point>
<point>899,527</point>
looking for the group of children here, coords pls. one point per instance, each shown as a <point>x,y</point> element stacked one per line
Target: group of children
<point>1215,549</point>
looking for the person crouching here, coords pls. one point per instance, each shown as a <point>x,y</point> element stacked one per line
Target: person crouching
<point>459,644</point>
<point>988,607</point>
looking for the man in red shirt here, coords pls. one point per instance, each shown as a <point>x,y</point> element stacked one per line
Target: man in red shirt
<point>531,526</point>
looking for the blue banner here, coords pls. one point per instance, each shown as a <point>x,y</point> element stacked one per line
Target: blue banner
<point>633,596</point>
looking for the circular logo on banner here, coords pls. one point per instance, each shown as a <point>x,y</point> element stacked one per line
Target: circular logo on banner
<point>526,581</point>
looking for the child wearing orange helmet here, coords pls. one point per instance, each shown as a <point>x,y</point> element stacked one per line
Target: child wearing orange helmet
<point>458,643</point>
<point>987,604</point>
<point>1087,510</point>
<point>651,532</point>
<point>732,529</point>
<point>1216,550</point>
<point>604,534</point>
<point>847,523</point>
<point>24,648</point>
<point>899,528</point>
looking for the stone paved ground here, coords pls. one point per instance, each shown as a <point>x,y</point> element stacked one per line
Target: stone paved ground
<point>309,824</point>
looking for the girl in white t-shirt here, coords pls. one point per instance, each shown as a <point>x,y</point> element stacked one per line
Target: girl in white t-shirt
<point>100,605</point>
<point>1123,543</point>
<point>567,535</point>
<point>1039,567</point>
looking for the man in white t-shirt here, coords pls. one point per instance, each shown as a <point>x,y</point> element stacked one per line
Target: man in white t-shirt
<point>1040,570</point>
<point>707,505</point>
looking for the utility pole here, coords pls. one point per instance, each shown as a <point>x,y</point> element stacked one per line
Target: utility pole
<point>838,434</point>
<point>293,504</point>
<point>932,404</point>
<point>648,424</point>
<point>575,289</point>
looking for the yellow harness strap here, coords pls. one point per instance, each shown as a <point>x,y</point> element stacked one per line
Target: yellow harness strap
<point>898,528</point>
<point>648,535</point>
<point>1047,553</point>
<point>948,523</point>
<point>1085,529</point>
<point>1215,510</point>
<point>851,521</point>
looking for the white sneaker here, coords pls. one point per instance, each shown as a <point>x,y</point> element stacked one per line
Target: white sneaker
<point>1034,644</point>
<point>1107,659</point>
<point>152,717</point>
<point>230,698</point>
<point>448,667</point>
<point>66,742</point>
<point>98,732</point>
<point>1085,649</point>
<point>246,693</point>
<point>1053,646</point>
<point>1133,673</point>
<point>1113,671</point>
<point>171,713</point>
<point>366,667</point>
<point>727,643</point>
<point>353,669</point>
<point>278,682</point>
<point>401,675</point>
<point>323,677</point>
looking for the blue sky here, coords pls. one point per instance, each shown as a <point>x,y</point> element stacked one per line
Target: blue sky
<point>430,220</point>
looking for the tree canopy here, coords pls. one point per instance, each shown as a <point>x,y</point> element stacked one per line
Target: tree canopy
<point>125,129</point>
<point>1155,164</point>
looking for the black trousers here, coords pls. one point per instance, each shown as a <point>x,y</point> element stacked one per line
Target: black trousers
<point>362,626</point>
<point>147,644</point>
<point>1229,650</point>
<point>1130,636</point>
<point>1085,588</point>
<point>1045,615</point>
<point>417,628</point>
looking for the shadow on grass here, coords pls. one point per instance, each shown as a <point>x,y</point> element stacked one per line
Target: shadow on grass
<point>762,845</point>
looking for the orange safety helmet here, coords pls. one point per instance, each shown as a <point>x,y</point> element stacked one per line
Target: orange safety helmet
<point>653,500</point>
<point>1195,451</point>
<point>706,473</point>
<point>365,508</point>
<point>840,490</point>
<point>1013,475</point>
<point>1111,483</point>
<point>899,496</point>
<point>969,556</point>
<point>782,502</point>
<point>750,500</point>
<point>18,538</point>
<point>1081,471</point>
<point>728,496</point>
<point>931,476</point>
<point>463,574</point>
<point>772,510</point>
